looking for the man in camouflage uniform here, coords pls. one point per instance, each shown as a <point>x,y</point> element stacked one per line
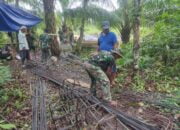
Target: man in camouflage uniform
<point>65,39</point>
<point>100,67</point>
<point>45,41</point>
<point>100,70</point>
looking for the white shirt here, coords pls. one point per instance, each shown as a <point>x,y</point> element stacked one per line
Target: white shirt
<point>22,41</point>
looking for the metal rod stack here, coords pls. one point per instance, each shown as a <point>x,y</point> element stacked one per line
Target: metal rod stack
<point>76,108</point>
<point>39,105</point>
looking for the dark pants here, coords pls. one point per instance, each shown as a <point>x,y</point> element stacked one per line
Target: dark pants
<point>24,55</point>
<point>45,54</point>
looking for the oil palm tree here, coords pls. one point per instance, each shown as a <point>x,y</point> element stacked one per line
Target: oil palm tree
<point>136,33</point>
<point>51,24</point>
<point>84,14</point>
<point>124,25</point>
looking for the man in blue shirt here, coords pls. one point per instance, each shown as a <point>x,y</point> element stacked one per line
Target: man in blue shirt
<point>107,40</point>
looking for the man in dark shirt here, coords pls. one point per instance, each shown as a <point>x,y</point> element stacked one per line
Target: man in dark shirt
<point>45,41</point>
<point>31,41</point>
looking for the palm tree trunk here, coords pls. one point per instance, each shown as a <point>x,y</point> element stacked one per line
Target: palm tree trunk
<point>85,3</point>
<point>17,3</point>
<point>126,27</point>
<point>51,25</point>
<point>81,33</point>
<point>136,33</point>
<point>49,15</point>
<point>125,32</point>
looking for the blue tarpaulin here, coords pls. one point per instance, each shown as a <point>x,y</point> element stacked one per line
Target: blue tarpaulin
<point>12,18</point>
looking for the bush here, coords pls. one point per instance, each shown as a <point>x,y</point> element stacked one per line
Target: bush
<point>5,74</point>
<point>3,39</point>
<point>161,48</point>
<point>127,59</point>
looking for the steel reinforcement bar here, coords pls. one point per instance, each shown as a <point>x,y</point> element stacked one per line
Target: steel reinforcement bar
<point>128,121</point>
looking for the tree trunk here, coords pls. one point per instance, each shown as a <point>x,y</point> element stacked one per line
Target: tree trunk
<point>136,33</point>
<point>16,35</point>
<point>17,3</point>
<point>49,15</point>
<point>85,3</point>
<point>125,34</point>
<point>51,25</point>
<point>80,40</point>
<point>126,27</point>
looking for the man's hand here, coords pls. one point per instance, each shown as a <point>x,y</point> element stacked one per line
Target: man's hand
<point>77,62</point>
<point>116,45</point>
<point>113,103</point>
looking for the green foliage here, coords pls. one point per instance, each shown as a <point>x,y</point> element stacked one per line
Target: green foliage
<point>127,59</point>
<point>85,52</point>
<point>4,96</point>
<point>3,39</point>
<point>163,44</point>
<point>5,74</point>
<point>90,29</point>
<point>139,83</point>
<point>6,126</point>
<point>8,93</point>
<point>171,103</point>
<point>159,55</point>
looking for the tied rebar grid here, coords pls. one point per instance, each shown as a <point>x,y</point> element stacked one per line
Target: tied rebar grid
<point>38,105</point>
<point>75,108</point>
<point>73,111</point>
<point>69,109</point>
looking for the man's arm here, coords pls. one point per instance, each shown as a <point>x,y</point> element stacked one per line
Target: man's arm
<point>111,74</point>
<point>115,42</point>
<point>98,45</point>
<point>116,45</point>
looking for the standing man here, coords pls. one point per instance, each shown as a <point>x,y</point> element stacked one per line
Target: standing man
<point>71,37</point>
<point>31,41</point>
<point>45,46</point>
<point>107,40</point>
<point>23,45</point>
<point>65,44</point>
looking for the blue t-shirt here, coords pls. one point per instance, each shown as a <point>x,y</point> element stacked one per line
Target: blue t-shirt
<point>107,41</point>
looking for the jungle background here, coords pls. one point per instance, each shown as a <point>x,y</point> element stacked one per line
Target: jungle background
<point>148,33</point>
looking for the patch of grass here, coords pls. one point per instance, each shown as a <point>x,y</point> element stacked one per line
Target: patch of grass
<point>6,126</point>
<point>3,39</point>
<point>5,74</point>
<point>90,29</point>
<point>86,51</point>
<point>173,101</point>
<point>139,83</point>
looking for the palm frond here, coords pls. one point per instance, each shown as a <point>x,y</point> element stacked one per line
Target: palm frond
<point>93,14</point>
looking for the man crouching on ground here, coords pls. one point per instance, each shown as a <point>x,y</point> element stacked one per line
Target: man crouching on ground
<point>100,69</point>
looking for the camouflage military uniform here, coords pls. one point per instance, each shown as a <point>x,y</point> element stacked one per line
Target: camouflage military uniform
<point>45,43</point>
<point>96,69</point>
<point>65,43</point>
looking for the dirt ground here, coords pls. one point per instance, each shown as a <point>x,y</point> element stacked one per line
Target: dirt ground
<point>129,102</point>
